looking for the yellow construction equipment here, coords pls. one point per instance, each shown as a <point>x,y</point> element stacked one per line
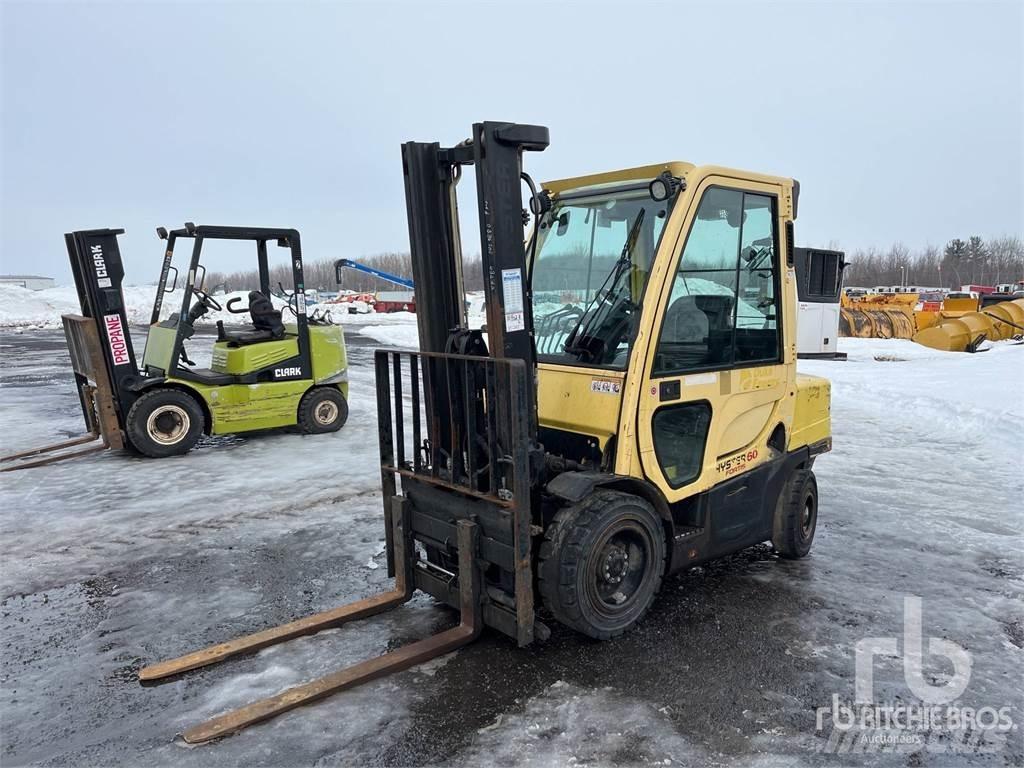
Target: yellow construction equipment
<point>952,306</point>
<point>878,316</point>
<point>966,332</point>
<point>633,411</point>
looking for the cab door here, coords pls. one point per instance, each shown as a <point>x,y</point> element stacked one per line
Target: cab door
<point>715,378</point>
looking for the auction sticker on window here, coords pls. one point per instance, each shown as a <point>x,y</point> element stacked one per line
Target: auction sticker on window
<point>512,290</point>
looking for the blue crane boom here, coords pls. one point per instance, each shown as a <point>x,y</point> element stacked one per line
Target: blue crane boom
<point>341,264</point>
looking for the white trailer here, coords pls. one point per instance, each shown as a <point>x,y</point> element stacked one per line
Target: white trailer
<point>819,280</point>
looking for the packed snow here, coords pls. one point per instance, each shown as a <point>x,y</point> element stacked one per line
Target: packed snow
<point>114,561</point>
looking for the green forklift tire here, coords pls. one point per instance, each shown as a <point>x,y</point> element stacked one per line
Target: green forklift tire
<point>321,410</point>
<point>164,422</point>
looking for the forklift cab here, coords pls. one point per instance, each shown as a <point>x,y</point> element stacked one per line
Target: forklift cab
<point>239,354</point>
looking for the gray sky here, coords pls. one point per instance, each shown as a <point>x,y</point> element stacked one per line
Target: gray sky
<point>901,121</point>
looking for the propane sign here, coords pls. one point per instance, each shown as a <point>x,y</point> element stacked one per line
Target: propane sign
<point>115,337</point>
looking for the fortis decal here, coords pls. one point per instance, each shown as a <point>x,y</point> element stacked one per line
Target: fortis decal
<point>736,463</point>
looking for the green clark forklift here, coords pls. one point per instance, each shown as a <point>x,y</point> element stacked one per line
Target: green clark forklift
<point>273,373</point>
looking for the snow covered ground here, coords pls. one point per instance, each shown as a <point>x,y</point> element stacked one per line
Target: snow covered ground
<point>113,561</point>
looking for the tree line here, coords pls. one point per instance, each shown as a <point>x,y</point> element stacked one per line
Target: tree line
<point>962,261</point>
<point>967,261</point>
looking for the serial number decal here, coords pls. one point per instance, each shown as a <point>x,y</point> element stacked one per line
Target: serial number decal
<point>736,463</point>
<point>512,292</point>
<point>605,386</point>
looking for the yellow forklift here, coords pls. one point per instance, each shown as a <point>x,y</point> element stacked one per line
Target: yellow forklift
<point>633,408</point>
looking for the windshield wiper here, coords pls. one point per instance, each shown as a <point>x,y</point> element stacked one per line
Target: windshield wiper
<point>579,341</point>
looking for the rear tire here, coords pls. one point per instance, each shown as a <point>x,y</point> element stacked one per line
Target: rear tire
<point>601,563</point>
<point>322,410</point>
<point>796,516</point>
<point>164,422</point>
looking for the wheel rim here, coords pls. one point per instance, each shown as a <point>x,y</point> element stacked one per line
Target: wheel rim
<point>325,413</point>
<point>620,568</point>
<point>168,424</point>
<point>808,516</point>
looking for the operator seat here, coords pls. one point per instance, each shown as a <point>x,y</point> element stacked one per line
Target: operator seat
<point>266,323</point>
<point>699,326</point>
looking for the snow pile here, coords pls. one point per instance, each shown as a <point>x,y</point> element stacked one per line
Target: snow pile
<point>22,308</point>
<point>395,335</point>
<point>25,309</point>
<point>935,398</point>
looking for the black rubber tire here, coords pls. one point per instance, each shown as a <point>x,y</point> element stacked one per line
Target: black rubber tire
<point>164,422</point>
<point>322,410</point>
<point>574,548</point>
<point>796,516</point>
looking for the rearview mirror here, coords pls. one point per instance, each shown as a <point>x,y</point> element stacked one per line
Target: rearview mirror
<point>563,224</point>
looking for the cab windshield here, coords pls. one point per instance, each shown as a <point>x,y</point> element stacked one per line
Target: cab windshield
<point>594,256</point>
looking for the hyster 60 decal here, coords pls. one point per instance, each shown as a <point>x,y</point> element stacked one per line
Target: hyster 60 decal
<point>115,337</point>
<point>736,463</point>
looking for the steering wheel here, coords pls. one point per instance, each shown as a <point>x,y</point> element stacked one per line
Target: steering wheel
<point>206,300</point>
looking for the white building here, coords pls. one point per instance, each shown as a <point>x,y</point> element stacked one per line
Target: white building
<point>32,282</point>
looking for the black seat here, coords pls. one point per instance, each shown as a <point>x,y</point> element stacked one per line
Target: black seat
<point>206,376</point>
<point>241,338</point>
<point>267,324</point>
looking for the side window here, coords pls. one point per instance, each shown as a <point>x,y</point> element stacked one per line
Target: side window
<point>757,317</point>
<point>723,307</point>
<point>680,434</point>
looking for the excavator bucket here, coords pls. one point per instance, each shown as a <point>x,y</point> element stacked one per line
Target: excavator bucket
<point>468,629</point>
<point>966,332</point>
<point>96,395</point>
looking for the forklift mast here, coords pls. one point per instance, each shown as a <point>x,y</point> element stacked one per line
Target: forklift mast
<point>99,272</point>
<point>431,175</point>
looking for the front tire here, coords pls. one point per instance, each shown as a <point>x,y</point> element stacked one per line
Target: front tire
<point>322,410</point>
<point>601,563</point>
<point>164,422</point>
<point>796,516</point>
